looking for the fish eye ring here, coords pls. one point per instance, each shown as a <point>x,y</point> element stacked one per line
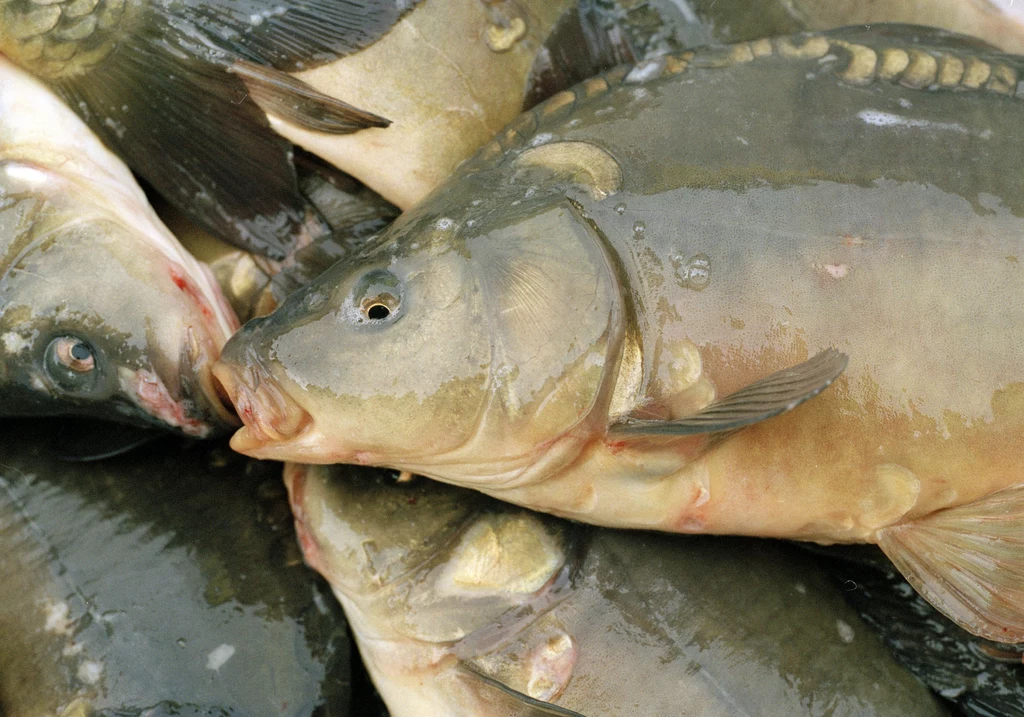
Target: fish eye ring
<point>379,307</point>
<point>74,353</point>
<point>376,299</point>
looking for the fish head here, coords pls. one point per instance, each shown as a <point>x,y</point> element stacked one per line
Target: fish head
<point>458,559</point>
<point>365,532</point>
<point>466,339</point>
<point>96,323</point>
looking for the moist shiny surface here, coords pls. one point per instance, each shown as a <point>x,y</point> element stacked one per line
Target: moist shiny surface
<point>83,258</point>
<point>164,578</point>
<point>431,574</point>
<point>840,209</point>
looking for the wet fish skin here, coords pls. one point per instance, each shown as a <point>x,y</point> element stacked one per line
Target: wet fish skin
<point>255,285</point>
<point>165,583</point>
<point>449,76</point>
<point>445,97</point>
<point>595,267</point>
<point>86,267</point>
<point>998,23</point>
<point>983,678</point>
<point>439,582</point>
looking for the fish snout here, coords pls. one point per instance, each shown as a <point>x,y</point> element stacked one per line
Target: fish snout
<point>269,414</point>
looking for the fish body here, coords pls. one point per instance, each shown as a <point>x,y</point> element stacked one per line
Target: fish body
<point>162,584</point>
<point>462,605</point>
<point>254,285</point>
<point>599,284</point>
<point>449,75</point>
<point>102,312</point>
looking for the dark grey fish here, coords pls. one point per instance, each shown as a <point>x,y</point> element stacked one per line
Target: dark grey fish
<point>164,583</point>
<point>984,678</point>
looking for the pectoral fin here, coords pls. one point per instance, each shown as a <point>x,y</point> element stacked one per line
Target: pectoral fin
<point>508,702</point>
<point>772,395</point>
<point>296,102</point>
<point>968,562</point>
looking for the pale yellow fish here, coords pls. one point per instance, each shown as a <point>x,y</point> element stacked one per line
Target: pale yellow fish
<point>462,605</point>
<point>569,323</point>
<point>449,75</point>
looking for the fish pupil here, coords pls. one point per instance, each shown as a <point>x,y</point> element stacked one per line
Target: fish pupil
<point>378,311</point>
<point>80,352</point>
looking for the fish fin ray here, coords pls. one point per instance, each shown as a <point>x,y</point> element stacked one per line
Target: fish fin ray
<point>772,395</point>
<point>511,702</point>
<point>582,44</point>
<point>186,124</point>
<point>293,35</point>
<point>298,103</point>
<point>968,562</point>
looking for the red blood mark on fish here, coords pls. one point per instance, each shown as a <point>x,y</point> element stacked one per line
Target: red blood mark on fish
<point>614,447</point>
<point>551,666</point>
<point>244,407</point>
<point>225,306</point>
<point>364,458</point>
<point>192,291</point>
<point>837,271</point>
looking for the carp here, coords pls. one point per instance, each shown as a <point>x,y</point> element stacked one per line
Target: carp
<point>165,583</point>
<point>604,312</point>
<point>102,313</point>
<point>178,89</point>
<point>462,605</point>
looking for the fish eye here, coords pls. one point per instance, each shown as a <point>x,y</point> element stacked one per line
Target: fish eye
<point>376,298</point>
<point>71,362</point>
<point>75,354</point>
<point>379,307</point>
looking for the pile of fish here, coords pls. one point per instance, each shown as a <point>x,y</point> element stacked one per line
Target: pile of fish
<point>524,294</point>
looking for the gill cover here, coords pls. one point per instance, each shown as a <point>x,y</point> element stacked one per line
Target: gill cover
<point>554,315</point>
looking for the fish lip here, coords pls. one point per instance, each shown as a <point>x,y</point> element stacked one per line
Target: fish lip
<point>210,405</point>
<point>268,414</point>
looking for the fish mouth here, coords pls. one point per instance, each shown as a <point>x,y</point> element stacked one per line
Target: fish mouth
<point>191,402</point>
<point>269,416</point>
<point>203,399</point>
